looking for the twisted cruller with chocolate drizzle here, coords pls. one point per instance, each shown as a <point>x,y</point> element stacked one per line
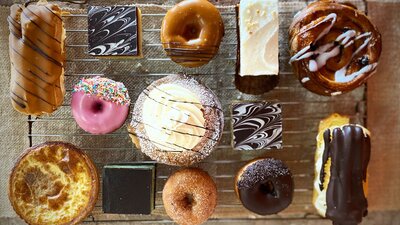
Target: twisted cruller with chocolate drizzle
<point>334,47</point>
<point>177,121</point>
<point>37,56</point>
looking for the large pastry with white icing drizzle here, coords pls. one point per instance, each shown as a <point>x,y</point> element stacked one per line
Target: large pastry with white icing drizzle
<point>341,161</point>
<point>176,121</point>
<point>334,47</point>
<point>37,56</point>
<point>258,50</point>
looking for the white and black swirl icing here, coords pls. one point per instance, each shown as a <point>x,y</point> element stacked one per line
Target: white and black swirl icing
<point>113,30</point>
<point>257,125</point>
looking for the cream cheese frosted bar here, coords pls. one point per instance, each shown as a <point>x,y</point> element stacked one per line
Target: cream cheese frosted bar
<point>258,51</point>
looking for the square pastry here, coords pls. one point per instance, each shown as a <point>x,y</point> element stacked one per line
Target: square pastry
<point>256,125</point>
<point>128,188</point>
<point>114,31</point>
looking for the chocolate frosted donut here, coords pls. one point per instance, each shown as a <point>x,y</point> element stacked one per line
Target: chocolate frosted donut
<point>191,32</point>
<point>264,186</point>
<point>190,196</point>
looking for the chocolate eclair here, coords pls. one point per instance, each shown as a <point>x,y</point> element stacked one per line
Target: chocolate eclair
<point>37,55</point>
<point>342,156</point>
<point>176,121</point>
<point>258,51</point>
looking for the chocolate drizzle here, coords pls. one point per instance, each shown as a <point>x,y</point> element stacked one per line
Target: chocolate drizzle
<point>349,151</point>
<point>265,186</point>
<point>36,47</point>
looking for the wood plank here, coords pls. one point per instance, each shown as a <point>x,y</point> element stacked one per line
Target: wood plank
<point>384,110</point>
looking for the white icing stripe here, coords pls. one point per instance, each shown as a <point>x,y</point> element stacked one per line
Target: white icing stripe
<point>345,37</point>
<point>321,59</point>
<point>341,77</point>
<point>305,79</point>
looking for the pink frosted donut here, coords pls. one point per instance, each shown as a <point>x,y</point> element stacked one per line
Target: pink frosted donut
<point>100,105</point>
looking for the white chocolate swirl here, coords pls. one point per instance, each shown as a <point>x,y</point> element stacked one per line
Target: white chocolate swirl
<point>173,118</point>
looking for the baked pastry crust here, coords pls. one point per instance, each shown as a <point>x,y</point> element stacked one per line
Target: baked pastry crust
<point>37,55</point>
<point>53,183</point>
<point>334,47</point>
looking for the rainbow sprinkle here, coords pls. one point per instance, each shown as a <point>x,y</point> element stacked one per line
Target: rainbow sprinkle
<point>104,88</point>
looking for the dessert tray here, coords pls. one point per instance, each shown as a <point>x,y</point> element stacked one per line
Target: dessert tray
<point>301,112</point>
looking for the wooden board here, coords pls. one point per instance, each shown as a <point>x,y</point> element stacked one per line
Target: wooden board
<point>384,112</point>
<point>302,111</point>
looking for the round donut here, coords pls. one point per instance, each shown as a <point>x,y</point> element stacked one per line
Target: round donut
<point>191,32</point>
<point>100,105</point>
<point>264,186</point>
<point>190,196</point>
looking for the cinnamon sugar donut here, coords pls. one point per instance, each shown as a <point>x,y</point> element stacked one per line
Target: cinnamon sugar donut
<point>191,32</point>
<point>190,196</point>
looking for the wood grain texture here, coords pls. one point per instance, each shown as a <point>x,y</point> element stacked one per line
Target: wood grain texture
<point>384,111</point>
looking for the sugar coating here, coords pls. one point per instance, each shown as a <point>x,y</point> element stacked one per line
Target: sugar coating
<point>214,122</point>
<point>104,88</point>
<point>261,170</point>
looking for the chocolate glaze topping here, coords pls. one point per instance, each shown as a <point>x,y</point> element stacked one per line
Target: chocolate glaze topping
<point>265,186</point>
<point>349,150</point>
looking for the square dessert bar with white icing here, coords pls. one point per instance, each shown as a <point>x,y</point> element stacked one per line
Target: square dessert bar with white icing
<point>256,125</point>
<point>114,31</point>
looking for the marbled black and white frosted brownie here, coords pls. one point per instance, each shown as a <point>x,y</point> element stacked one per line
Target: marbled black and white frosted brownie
<point>256,125</point>
<point>114,31</point>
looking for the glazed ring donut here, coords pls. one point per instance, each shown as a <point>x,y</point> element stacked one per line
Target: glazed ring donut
<point>191,32</point>
<point>190,196</point>
<point>100,105</point>
<point>264,186</point>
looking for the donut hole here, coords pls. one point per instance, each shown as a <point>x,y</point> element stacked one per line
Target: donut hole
<point>268,188</point>
<point>97,106</point>
<point>191,31</point>
<point>188,201</point>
